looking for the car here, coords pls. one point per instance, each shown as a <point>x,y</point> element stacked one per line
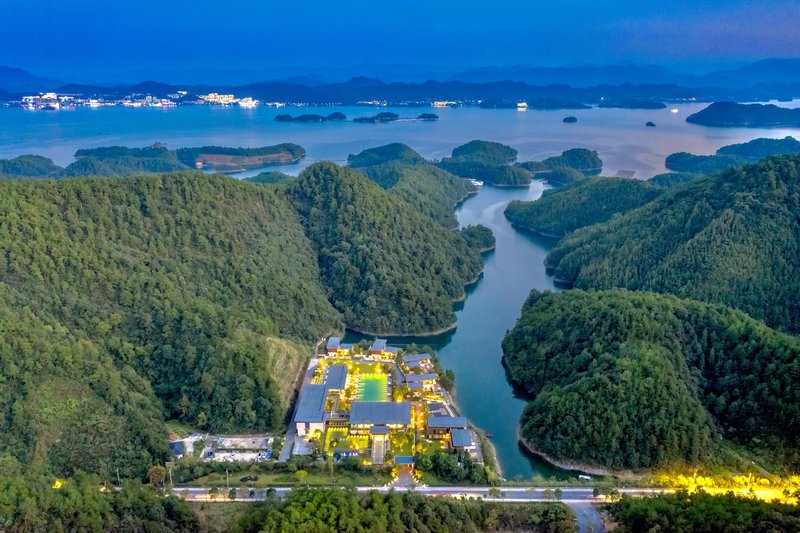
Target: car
<point>245,479</point>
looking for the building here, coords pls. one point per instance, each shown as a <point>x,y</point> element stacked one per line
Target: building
<point>365,415</point>
<point>377,347</point>
<point>335,378</point>
<point>420,361</point>
<point>418,382</point>
<point>439,426</point>
<point>461,440</point>
<point>310,414</point>
<point>335,347</point>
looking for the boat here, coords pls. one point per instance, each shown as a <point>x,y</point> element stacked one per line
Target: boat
<point>489,436</point>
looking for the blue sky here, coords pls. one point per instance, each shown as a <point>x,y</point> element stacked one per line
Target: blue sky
<point>99,38</point>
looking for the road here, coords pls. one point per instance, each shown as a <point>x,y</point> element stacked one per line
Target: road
<point>580,499</point>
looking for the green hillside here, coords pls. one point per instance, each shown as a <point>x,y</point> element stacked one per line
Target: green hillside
<point>585,202</point>
<point>486,161</point>
<point>629,380</point>
<point>404,173</point>
<point>145,298</point>
<point>732,238</point>
<point>386,267</point>
<point>732,155</point>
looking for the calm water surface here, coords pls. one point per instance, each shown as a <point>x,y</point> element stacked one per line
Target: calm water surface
<point>473,349</point>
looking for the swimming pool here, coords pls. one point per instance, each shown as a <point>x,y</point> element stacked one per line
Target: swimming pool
<point>372,388</point>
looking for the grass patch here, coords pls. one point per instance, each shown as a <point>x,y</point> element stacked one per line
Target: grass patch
<point>288,479</point>
<point>217,518</point>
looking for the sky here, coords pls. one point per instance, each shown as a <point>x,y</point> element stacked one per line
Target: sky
<point>104,39</point>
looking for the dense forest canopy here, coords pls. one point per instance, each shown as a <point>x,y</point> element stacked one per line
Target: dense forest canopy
<point>582,203</point>
<point>335,510</point>
<point>28,166</point>
<point>631,380</point>
<point>732,155</point>
<point>489,152</point>
<point>486,161</point>
<point>671,179</point>
<point>732,114</point>
<point>394,152</point>
<point>732,238</point>
<point>404,173</point>
<point>479,237</point>
<point>385,267</point>
<point>703,513</point>
<point>188,296</point>
<point>270,177</point>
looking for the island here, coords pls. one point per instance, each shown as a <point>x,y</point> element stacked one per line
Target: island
<point>732,155</point>
<point>732,114</point>
<point>486,161</point>
<point>428,116</point>
<point>380,118</point>
<point>333,117</point>
<point>570,120</point>
<point>650,124</point>
<point>232,160</point>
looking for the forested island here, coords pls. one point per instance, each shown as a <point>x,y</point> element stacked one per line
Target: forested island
<point>333,117</point>
<point>380,118</point>
<point>624,380</point>
<point>729,238</point>
<point>732,114</point>
<point>486,161</point>
<point>732,155</point>
<point>125,161</point>
<point>581,203</point>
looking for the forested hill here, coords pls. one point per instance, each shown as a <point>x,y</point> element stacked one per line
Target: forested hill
<point>733,238</point>
<point>631,380</point>
<point>124,301</point>
<point>579,204</point>
<point>387,269</point>
<point>403,172</point>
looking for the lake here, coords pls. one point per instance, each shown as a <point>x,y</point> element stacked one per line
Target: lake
<point>511,271</point>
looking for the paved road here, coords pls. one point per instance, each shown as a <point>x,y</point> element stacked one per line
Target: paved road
<point>580,499</point>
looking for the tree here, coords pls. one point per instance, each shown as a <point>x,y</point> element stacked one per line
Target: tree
<point>156,475</point>
<point>301,476</point>
<point>495,492</point>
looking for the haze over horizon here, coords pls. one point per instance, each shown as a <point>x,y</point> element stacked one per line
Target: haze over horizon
<point>109,42</point>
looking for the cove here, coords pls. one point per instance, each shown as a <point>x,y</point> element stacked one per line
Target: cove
<point>483,393</point>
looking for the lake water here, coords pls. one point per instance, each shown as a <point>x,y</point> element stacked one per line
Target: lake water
<point>511,271</point>
<point>619,135</point>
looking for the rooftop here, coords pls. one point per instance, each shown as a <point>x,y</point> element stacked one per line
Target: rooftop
<point>420,377</point>
<point>379,430</point>
<point>461,438</point>
<point>333,343</point>
<point>312,403</point>
<point>416,358</point>
<point>447,422</point>
<point>378,345</point>
<point>380,413</point>
<point>335,377</point>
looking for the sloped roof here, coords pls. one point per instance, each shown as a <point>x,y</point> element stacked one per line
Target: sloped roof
<point>335,377</point>
<point>416,358</point>
<point>447,422</point>
<point>311,407</point>
<point>380,413</point>
<point>460,438</point>
<point>333,343</point>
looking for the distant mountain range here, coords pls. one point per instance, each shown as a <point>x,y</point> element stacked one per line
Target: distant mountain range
<point>547,87</point>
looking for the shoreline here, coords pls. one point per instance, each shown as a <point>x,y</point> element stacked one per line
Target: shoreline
<point>577,467</point>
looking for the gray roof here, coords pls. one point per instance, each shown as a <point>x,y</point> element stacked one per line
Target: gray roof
<point>447,422</point>
<point>461,438</point>
<point>379,430</point>
<point>420,377</point>
<point>416,358</point>
<point>416,385</point>
<point>413,364</point>
<point>380,413</point>
<point>333,343</point>
<point>335,377</point>
<point>344,346</point>
<point>311,407</point>
<point>378,345</point>
<point>392,349</point>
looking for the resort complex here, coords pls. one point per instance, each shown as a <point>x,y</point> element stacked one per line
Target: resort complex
<point>376,403</point>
